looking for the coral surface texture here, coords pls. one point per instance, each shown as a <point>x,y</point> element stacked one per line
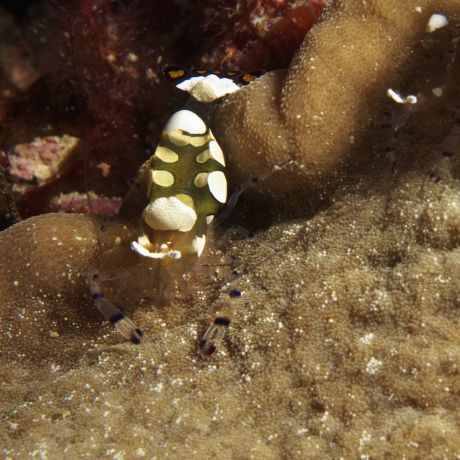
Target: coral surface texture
<point>345,343</point>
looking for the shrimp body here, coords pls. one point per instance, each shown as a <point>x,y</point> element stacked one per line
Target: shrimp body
<point>186,188</point>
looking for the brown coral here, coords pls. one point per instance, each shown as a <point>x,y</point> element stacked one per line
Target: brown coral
<point>348,342</point>
<point>323,112</point>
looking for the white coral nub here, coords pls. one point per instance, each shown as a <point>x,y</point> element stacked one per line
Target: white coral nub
<point>209,88</point>
<point>436,21</point>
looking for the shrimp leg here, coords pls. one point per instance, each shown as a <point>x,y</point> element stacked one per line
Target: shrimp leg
<point>111,313</point>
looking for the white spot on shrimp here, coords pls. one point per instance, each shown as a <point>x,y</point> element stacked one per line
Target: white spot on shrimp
<point>216,152</point>
<point>201,180</point>
<point>162,178</point>
<point>169,214</point>
<point>218,186</point>
<point>203,157</point>
<point>166,155</point>
<point>187,121</point>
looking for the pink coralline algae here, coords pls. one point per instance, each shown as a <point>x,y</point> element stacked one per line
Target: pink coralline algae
<point>86,203</point>
<point>40,159</point>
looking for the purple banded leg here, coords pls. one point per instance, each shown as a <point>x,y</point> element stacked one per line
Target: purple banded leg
<point>111,313</point>
<point>216,331</point>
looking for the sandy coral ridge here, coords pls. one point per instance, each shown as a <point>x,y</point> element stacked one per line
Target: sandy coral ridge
<point>346,345</point>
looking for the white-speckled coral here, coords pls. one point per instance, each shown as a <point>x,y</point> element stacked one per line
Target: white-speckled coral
<point>347,344</point>
<point>322,111</point>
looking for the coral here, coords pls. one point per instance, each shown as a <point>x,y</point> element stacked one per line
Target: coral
<point>40,159</point>
<point>320,112</point>
<point>78,203</point>
<point>347,344</point>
